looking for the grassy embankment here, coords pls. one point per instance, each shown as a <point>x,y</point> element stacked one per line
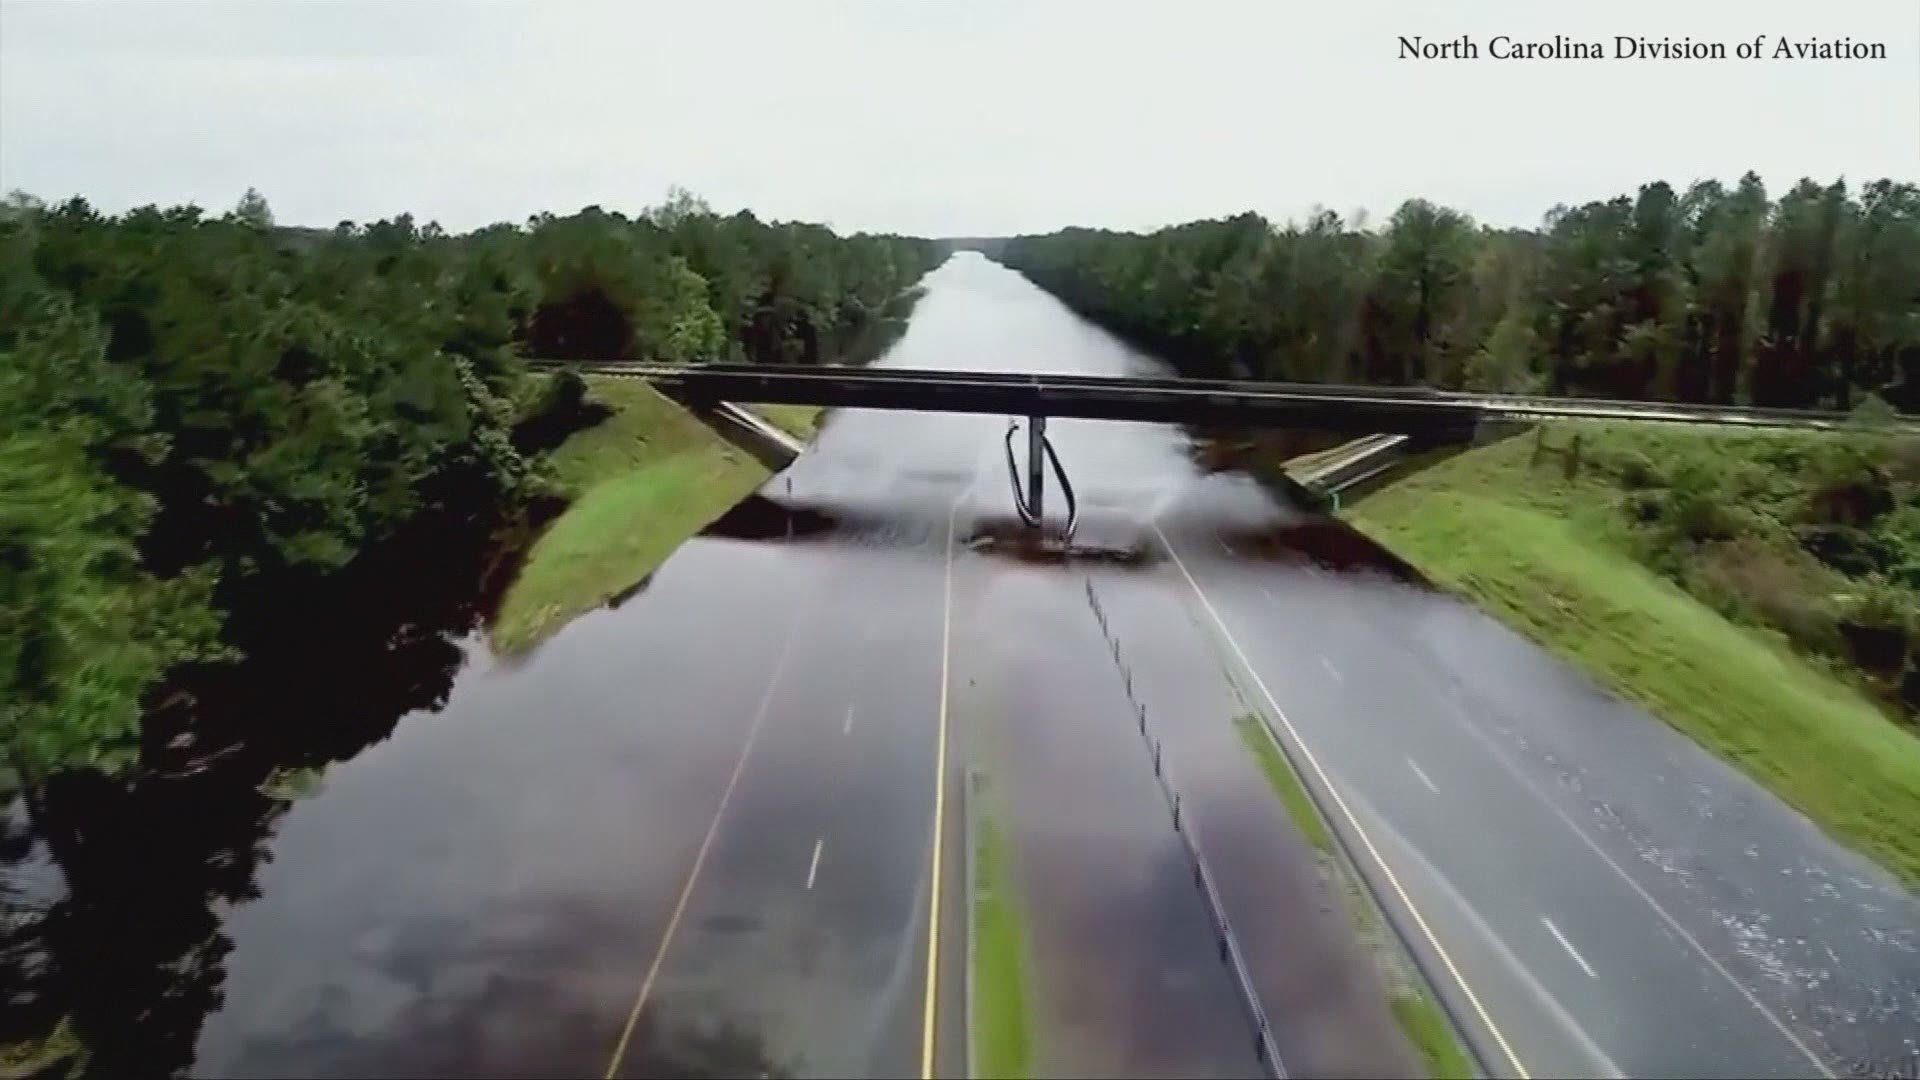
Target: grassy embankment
<point>1420,1017</point>
<point>1677,567</point>
<point>1001,1045</point>
<point>640,482</point>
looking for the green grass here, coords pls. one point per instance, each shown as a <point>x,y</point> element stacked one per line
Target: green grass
<point>1544,554</point>
<point>641,482</point>
<point>1253,731</point>
<point>1431,1034</point>
<point>1426,1026</point>
<point>38,1056</point>
<point>1001,1042</point>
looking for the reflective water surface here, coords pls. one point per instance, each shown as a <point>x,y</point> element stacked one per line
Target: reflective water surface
<point>499,877</point>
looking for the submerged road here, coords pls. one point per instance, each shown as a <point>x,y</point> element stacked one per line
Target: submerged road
<point>711,829</point>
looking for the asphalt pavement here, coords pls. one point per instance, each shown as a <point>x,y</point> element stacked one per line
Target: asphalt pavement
<point>1616,900</point>
<point>711,829</point>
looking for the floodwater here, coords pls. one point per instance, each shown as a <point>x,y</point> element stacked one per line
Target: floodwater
<point>693,834</point>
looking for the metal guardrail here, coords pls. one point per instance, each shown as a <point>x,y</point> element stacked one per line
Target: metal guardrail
<point>779,443</point>
<point>1264,1045</point>
<point>1350,466</point>
<point>1362,459</point>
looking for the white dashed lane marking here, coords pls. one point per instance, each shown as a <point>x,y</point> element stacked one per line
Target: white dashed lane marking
<point>1568,945</point>
<point>1422,774</point>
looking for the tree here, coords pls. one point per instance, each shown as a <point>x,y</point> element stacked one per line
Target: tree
<point>1722,267</point>
<point>1504,364</point>
<point>195,413</point>
<point>1423,267</point>
<point>83,627</point>
<point>1717,295</point>
<point>1800,257</point>
<point>252,210</point>
<point>1656,305</point>
<point>1873,343</point>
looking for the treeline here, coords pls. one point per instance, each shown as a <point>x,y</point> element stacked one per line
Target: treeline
<point>1717,295</point>
<point>196,411</point>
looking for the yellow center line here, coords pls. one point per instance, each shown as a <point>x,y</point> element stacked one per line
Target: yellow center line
<point>700,857</point>
<point>1325,782</point>
<point>939,812</point>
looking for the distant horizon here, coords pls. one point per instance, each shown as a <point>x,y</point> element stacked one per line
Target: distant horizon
<point>1371,220</point>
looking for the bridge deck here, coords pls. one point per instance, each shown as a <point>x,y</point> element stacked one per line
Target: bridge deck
<point>1354,409</point>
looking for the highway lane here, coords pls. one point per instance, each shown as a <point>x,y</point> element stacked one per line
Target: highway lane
<point>1507,872</point>
<point>620,856</point>
<point>1497,785</point>
<point>479,894</point>
<point>805,924</point>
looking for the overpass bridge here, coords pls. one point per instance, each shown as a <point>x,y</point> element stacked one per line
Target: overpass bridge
<point>1355,410</point>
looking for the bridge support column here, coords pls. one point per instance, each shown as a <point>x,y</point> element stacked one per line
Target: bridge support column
<point>1036,462</point>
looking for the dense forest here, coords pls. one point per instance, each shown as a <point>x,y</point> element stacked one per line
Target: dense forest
<point>1715,294</point>
<point>204,416</point>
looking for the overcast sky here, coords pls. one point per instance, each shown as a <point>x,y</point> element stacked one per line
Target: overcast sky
<point>969,118</point>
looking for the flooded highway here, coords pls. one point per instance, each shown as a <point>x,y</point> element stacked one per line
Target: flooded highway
<point>695,832</point>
